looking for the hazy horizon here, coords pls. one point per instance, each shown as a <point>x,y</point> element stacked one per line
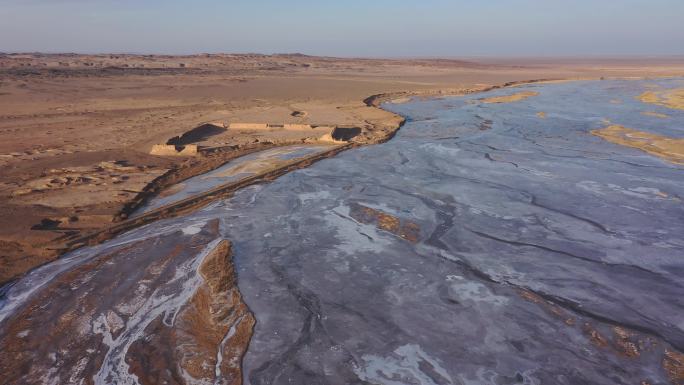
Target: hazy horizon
<point>434,28</point>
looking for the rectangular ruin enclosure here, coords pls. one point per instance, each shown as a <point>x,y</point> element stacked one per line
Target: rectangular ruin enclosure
<point>286,126</point>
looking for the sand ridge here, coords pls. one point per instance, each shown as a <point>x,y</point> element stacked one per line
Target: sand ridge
<point>670,149</point>
<point>655,114</point>
<point>673,98</point>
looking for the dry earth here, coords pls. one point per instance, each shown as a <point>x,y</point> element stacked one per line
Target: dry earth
<point>76,130</point>
<point>670,149</point>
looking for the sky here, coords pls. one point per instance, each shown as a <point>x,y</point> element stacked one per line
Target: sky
<point>369,28</point>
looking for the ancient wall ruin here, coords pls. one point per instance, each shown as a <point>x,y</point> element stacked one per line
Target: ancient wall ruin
<point>333,134</point>
<point>328,138</point>
<point>248,126</point>
<point>297,127</point>
<point>286,126</point>
<point>171,150</point>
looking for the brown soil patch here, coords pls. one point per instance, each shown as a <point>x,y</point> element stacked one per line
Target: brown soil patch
<point>403,228</point>
<point>668,98</point>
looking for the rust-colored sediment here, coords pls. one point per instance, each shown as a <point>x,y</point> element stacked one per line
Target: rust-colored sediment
<point>595,337</point>
<point>626,343</point>
<point>673,363</point>
<point>670,149</point>
<point>64,333</point>
<point>403,228</point>
<point>209,337</point>
<point>549,307</point>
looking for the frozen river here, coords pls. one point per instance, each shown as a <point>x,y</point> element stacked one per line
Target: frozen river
<point>485,244</point>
